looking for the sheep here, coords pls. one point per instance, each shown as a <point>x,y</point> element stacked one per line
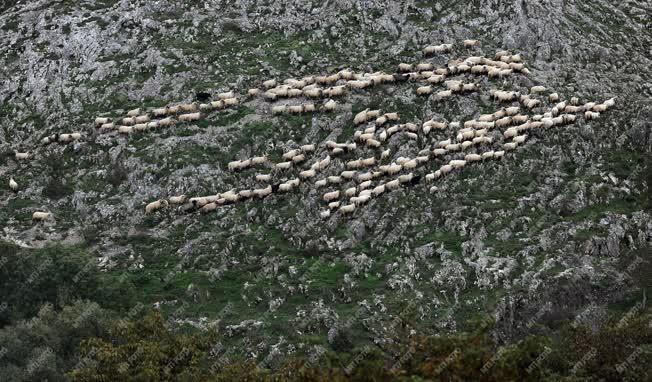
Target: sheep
<point>378,190</point>
<point>361,117</point>
<point>180,199</point>
<point>141,119</point>
<point>601,108</point>
<point>439,152</point>
<point>262,192</point>
<point>509,146</point>
<point>307,174</point>
<point>410,164</point>
<point>591,115</point>
<point>188,107</point>
<point>226,95</point>
<point>444,143</point>
<point>140,127</point>
<point>133,113</point>
<point>349,192</point>
<point>553,97</point>
<point>487,155</point>
<point>334,205</point>
<point>364,185</point>
<point>453,147</point>
<point>445,169</point>
<point>309,108</point>
<point>611,102</point>
<point>430,177</point>
<point>324,162</point>
<point>423,66</point>
<point>368,162</point>
<point>152,125</point>
<point>424,90</point>
<point>347,209</point>
<point>443,94</point>
<point>108,126</point>
<point>173,110</point>
<point>330,196</point>
<point>412,135</point>
<point>361,199</point>
<point>537,89</point>
<point>470,87</point>
<point>269,84</point>
<point>190,117</point>
<point>279,109</point>
<point>457,163</point>
<point>520,138</point>
<point>470,43</point>
<point>13,185</point>
<point>333,179</point>
<point>453,85</point>
<point>373,143</point>
<point>230,102</point>
<point>283,165</point>
<point>165,122</point>
<point>125,129</point>
<point>403,67</point>
<point>435,79</point>
<point>330,105</point>
<point>347,174</point>
<point>128,121</point>
<point>354,164</point>
<point>392,185</point>
<point>472,157</point>
<point>298,158</point>
<point>41,216</point>
<point>466,144</point>
<point>356,84</point>
<point>153,206</point>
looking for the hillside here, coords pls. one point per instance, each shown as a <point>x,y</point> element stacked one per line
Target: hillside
<point>556,230</point>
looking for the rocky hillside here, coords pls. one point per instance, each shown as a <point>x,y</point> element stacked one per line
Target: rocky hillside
<point>559,226</point>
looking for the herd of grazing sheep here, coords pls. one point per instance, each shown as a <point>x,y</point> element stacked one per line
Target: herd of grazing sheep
<point>356,171</point>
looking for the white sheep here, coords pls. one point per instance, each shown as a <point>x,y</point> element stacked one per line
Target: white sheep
<point>269,84</point>
<point>349,192</point>
<point>125,129</point>
<point>405,178</point>
<point>279,109</point>
<point>520,138</point>
<point>321,183</point>
<point>347,209</point>
<point>488,155</point>
<point>470,43</point>
<point>101,121</point>
<point>403,67</point>
<point>591,115</point>
<point>334,179</point>
<point>439,152</point>
<point>457,163</point>
<point>140,127</point>
<point>392,185</point>
<point>330,105</point>
<point>262,192</point>
<point>334,205</point>
<point>283,165</point>
<point>188,107</point>
<point>307,174</point>
<point>13,185</point>
<point>41,216</point>
<point>190,117</point>
<point>298,158</point>
<point>509,146</point>
<point>226,95</point>
<point>445,169</point>
<point>180,199</point>
<point>424,90</point>
<point>231,102</point>
<point>472,157</point>
<point>330,196</point>
<point>133,113</point>
<point>153,206</point>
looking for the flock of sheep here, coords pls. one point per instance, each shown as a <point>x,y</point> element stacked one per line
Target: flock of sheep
<point>360,169</point>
